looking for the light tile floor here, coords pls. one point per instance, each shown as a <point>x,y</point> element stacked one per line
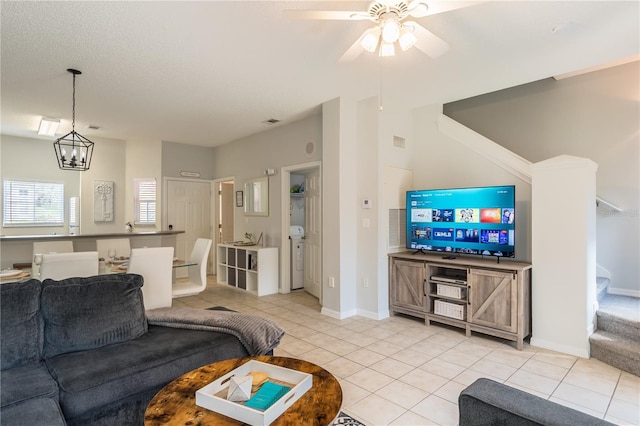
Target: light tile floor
<point>400,372</point>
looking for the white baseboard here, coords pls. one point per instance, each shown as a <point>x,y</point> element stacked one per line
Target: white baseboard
<point>374,315</point>
<point>554,346</point>
<point>338,315</point>
<point>623,292</point>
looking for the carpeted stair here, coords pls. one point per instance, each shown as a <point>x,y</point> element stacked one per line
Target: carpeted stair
<point>617,339</point>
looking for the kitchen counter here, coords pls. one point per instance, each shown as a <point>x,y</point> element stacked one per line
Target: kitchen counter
<point>19,248</point>
<point>51,237</point>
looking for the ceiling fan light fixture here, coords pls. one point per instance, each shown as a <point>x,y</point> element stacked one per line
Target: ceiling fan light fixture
<point>418,9</point>
<point>370,40</point>
<point>390,30</point>
<point>407,39</point>
<point>387,49</point>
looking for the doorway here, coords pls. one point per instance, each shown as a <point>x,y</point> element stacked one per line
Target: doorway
<point>188,208</point>
<point>224,210</point>
<point>304,206</point>
<point>224,217</point>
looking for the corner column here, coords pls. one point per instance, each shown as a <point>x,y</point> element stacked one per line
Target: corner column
<point>563,206</point>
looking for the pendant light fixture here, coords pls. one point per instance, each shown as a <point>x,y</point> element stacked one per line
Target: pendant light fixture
<point>73,150</point>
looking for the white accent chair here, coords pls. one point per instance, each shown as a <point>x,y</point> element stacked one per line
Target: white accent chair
<point>59,266</point>
<point>155,264</point>
<point>122,246</point>
<point>46,247</point>
<point>197,273</point>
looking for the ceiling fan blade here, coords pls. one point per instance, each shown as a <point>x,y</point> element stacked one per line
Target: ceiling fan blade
<point>422,8</point>
<point>428,42</point>
<point>354,51</point>
<point>345,15</point>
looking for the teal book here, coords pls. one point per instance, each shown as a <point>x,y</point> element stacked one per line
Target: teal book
<point>267,395</point>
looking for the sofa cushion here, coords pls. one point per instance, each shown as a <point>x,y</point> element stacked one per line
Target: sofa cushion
<point>20,324</point>
<point>39,411</point>
<point>92,312</point>
<point>27,382</point>
<point>487,402</point>
<point>91,379</point>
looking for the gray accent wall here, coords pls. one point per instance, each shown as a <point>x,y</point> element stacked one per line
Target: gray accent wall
<point>249,157</point>
<point>595,116</point>
<point>177,158</point>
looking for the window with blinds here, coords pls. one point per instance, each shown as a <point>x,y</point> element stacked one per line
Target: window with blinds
<point>144,201</point>
<point>74,211</point>
<point>32,203</point>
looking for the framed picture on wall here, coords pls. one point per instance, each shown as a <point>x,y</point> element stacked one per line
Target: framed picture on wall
<point>239,198</point>
<point>102,201</point>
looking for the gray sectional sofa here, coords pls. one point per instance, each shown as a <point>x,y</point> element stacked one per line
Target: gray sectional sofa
<point>82,351</point>
<point>488,403</point>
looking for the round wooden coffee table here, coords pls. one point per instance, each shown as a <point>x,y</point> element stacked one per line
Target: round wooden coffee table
<point>176,402</point>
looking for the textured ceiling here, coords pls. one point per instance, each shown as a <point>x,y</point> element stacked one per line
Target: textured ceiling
<point>207,73</point>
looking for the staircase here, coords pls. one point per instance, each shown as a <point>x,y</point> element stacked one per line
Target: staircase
<point>617,338</point>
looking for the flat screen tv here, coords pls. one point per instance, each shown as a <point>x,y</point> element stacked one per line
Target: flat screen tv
<point>479,221</point>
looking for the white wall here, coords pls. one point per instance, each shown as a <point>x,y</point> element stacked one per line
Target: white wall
<point>34,159</point>
<point>376,158</point>
<point>339,218</point>
<point>144,161</point>
<point>367,224</point>
<point>564,251</point>
<point>595,116</point>
<point>108,164</point>
<point>441,162</point>
<point>394,169</point>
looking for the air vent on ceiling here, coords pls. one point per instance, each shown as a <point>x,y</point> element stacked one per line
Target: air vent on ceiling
<point>271,121</point>
<point>93,127</point>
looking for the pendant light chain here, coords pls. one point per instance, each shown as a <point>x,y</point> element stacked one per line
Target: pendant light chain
<point>73,151</point>
<point>73,105</point>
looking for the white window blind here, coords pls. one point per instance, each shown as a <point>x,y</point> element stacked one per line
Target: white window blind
<point>74,211</point>
<point>33,203</point>
<point>145,201</point>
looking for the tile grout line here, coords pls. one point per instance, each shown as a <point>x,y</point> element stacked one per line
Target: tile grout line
<point>301,311</point>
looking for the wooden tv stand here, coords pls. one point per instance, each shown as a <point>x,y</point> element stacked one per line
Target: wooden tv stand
<point>478,295</point>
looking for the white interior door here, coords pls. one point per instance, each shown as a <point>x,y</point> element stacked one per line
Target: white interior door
<point>226,211</point>
<point>313,233</point>
<point>188,209</point>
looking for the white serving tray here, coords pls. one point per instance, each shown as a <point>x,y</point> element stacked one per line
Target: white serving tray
<point>10,273</point>
<point>206,396</point>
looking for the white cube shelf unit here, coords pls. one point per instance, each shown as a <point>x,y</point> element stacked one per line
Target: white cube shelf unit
<point>250,268</point>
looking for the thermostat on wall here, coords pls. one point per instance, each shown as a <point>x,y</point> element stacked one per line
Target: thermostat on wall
<point>366,203</point>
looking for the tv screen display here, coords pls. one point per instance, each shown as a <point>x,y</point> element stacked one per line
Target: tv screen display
<point>477,221</point>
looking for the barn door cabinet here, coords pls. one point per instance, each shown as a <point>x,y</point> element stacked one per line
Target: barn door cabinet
<point>407,295</point>
<point>478,295</point>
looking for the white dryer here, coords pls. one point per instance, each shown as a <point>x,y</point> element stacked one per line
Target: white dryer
<point>296,235</point>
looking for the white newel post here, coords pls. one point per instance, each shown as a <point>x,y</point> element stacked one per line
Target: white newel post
<point>563,206</point>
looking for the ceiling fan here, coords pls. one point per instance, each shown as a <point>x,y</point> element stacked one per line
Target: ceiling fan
<point>391,27</point>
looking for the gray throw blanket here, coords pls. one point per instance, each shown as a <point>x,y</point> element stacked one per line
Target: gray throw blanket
<point>258,335</point>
